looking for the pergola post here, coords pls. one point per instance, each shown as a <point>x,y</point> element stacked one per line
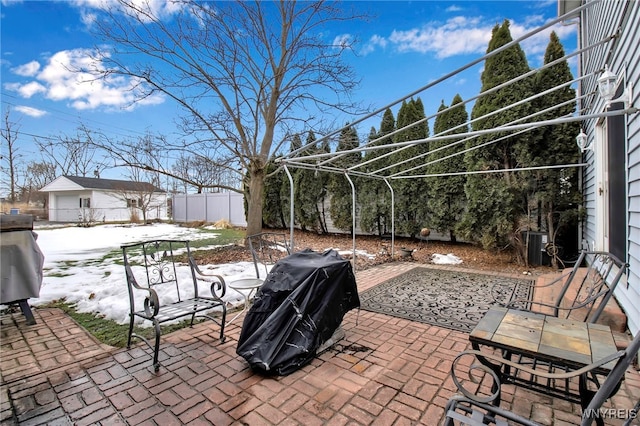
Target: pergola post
<point>291,204</point>
<point>393,218</point>
<point>353,217</point>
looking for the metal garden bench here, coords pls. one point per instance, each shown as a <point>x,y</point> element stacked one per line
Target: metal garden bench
<point>582,293</point>
<point>163,289</point>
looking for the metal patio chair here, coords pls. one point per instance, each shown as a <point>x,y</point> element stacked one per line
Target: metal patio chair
<point>472,408</point>
<point>266,249</point>
<point>152,273</point>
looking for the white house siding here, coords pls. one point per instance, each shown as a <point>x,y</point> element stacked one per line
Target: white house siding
<point>106,205</point>
<point>621,55</point>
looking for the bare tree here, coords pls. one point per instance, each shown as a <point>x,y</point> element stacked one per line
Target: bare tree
<point>74,155</point>
<point>10,155</point>
<point>206,173</point>
<point>140,197</point>
<point>245,72</point>
<point>38,174</point>
<point>142,192</point>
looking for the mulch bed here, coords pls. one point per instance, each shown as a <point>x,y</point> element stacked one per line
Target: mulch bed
<point>473,257</point>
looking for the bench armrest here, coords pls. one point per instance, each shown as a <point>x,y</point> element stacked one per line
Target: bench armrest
<point>151,301</point>
<point>218,286</point>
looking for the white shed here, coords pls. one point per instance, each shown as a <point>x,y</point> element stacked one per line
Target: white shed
<point>88,200</point>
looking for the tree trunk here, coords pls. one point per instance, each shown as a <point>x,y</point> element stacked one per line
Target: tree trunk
<point>254,203</point>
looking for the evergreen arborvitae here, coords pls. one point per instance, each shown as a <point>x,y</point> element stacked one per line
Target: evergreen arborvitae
<point>497,201</point>
<point>308,193</point>
<point>446,197</point>
<point>374,197</point>
<point>411,193</point>
<point>556,190</point>
<point>339,188</point>
<point>273,215</point>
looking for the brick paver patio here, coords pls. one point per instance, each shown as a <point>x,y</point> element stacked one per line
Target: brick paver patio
<point>386,371</point>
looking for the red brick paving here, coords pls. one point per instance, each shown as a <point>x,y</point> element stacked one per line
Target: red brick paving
<point>56,373</point>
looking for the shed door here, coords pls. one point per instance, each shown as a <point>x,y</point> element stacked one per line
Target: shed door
<point>67,208</point>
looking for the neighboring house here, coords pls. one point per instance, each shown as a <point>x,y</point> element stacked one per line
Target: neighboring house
<point>611,181</point>
<point>88,200</point>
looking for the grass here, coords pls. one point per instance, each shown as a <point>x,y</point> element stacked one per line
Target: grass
<point>111,333</point>
<point>221,237</point>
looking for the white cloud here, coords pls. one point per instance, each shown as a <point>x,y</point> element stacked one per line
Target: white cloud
<point>10,2</point>
<point>160,9</point>
<point>29,89</point>
<point>536,45</point>
<point>374,41</point>
<point>462,35</point>
<point>31,112</point>
<point>72,75</point>
<point>343,41</point>
<point>459,35</point>
<point>27,70</point>
<point>88,18</point>
<point>454,8</point>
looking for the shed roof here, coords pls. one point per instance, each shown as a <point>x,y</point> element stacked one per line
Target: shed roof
<point>109,184</point>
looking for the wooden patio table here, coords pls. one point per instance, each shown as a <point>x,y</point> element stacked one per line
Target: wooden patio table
<point>544,341</point>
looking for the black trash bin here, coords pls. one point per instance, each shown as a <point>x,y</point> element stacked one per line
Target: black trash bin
<point>298,308</point>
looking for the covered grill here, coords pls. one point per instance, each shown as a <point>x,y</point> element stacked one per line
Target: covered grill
<point>298,308</point>
<point>21,262</point>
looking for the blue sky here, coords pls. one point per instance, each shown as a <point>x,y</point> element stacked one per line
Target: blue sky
<point>404,46</point>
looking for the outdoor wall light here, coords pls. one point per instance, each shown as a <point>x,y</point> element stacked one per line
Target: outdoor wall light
<point>583,141</point>
<point>607,89</point>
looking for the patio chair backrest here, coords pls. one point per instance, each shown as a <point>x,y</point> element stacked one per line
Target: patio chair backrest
<point>266,249</point>
<point>587,290</point>
<point>158,257</point>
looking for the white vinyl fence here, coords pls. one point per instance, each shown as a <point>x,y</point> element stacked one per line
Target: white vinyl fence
<point>209,207</point>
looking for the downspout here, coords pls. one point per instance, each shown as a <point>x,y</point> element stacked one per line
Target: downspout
<point>291,203</point>
<point>353,217</point>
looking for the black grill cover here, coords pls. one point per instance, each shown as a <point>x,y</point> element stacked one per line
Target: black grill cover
<point>298,308</point>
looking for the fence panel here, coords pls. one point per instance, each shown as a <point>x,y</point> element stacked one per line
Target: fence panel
<point>209,207</point>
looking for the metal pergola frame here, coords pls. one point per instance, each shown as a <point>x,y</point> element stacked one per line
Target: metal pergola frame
<point>324,161</point>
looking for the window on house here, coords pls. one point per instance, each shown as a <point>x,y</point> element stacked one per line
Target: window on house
<point>135,202</point>
<point>85,203</point>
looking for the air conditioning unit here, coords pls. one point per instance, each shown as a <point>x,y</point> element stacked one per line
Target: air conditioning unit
<point>536,254</point>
